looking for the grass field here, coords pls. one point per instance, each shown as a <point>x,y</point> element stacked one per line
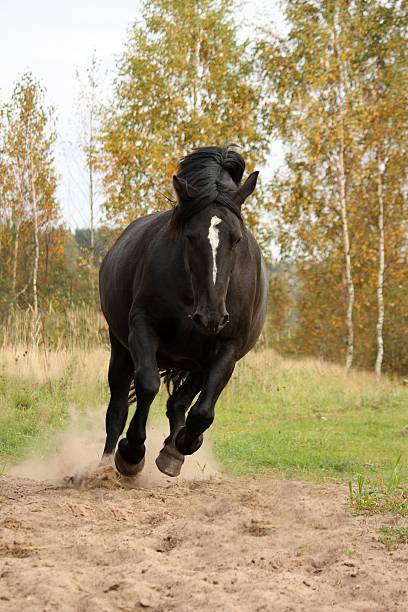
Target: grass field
<point>296,419</point>
<point>41,391</point>
<point>310,419</point>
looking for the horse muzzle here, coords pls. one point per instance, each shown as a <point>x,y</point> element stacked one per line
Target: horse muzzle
<point>210,324</point>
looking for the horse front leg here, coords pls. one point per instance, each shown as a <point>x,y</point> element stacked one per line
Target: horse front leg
<point>119,377</point>
<point>169,460</point>
<point>201,415</point>
<point>143,345</point>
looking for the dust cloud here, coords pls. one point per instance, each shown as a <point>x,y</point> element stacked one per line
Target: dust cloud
<point>78,450</point>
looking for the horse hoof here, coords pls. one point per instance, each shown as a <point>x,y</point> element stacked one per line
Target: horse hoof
<point>105,460</point>
<point>125,468</point>
<point>169,460</point>
<point>186,446</point>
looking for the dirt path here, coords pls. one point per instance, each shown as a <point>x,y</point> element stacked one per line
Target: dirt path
<point>200,542</point>
<point>191,545</point>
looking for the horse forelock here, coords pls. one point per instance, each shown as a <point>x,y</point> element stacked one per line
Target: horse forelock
<point>207,163</point>
<point>204,173</point>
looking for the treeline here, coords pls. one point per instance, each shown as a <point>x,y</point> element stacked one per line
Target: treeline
<point>338,98</point>
<point>332,90</point>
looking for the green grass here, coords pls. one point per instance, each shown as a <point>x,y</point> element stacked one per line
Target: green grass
<point>35,405</point>
<point>380,495</point>
<point>393,537</point>
<point>304,420</point>
<point>309,420</point>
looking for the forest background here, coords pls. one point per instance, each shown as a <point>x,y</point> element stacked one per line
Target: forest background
<point>330,88</point>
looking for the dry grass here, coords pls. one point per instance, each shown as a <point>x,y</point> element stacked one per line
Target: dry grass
<point>296,418</point>
<point>41,390</point>
<point>76,327</point>
<point>40,364</point>
<point>268,363</point>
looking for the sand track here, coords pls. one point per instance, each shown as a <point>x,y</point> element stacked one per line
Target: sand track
<point>186,545</point>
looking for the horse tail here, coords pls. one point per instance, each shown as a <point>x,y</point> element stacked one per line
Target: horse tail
<point>172,378</point>
<point>132,393</point>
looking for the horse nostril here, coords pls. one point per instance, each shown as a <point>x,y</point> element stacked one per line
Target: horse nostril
<point>224,320</point>
<point>198,319</point>
<point>212,324</point>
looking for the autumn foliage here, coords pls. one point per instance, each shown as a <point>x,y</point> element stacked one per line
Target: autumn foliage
<point>332,220</point>
<point>338,99</point>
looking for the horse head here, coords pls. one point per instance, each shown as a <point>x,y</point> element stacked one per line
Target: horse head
<point>208,220</point>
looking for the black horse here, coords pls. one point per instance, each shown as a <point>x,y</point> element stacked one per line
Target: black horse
<point>184,295</point>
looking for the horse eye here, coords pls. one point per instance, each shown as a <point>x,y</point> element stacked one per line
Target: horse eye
<point>235,241</point>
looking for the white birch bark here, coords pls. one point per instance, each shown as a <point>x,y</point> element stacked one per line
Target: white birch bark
<point>381,268</point>
<point>347,255</point>
<point>342,187</point>
<point>91,181</point>
<point>20,181</point>
<point>15,259</point>
<point>34,204</point>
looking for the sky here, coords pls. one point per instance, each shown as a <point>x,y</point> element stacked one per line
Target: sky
<point>55,40</point>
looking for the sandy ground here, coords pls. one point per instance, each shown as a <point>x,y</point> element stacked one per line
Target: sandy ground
<point>201,542</point>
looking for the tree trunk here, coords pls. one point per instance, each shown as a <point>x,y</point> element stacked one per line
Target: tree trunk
<point>36,236</point>
<point>341,176</point>
<point>15,259</point>
<point>91,185</point>
<point>347,256</point>
<point>381,268</point>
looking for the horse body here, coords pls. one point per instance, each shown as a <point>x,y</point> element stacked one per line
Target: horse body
<point>188,303</point>
<point>154,280</point>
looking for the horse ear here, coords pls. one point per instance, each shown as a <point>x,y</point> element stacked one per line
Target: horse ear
<point>180,187</point>
<point>247,188</point>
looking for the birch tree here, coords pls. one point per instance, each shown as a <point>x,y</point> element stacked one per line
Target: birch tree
<point>183,81</point>
<point>4,207</point>
<point>337,96</point>
<point>342,88</point>
<point>12,200</point>
<point>89,104</point>
<point>382,32</point>
<point>28,148</point>
<point>311,102</point>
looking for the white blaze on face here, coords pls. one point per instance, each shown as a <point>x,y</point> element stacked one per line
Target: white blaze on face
<point>214,242</point>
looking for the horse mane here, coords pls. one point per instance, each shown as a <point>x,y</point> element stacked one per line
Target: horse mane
<point>201,172</point>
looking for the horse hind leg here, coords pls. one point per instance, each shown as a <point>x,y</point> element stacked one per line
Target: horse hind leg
<point>119,378</point>
<point>170,460</point>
